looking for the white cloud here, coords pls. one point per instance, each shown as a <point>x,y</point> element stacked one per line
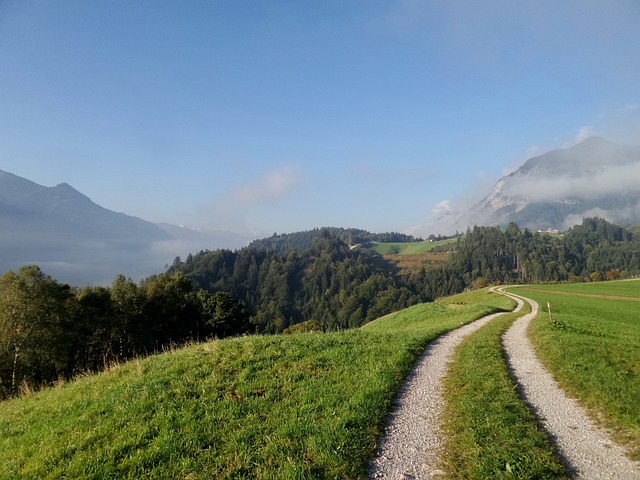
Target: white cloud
<point>614,179</point>
<point>619,216</point>
<point>442,208</point>
<point>445,218</point>
<point>271,186</point>
<point>584,133</point>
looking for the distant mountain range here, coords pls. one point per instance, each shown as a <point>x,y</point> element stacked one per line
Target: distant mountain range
<point>77,241</point>
<point>558,189</point>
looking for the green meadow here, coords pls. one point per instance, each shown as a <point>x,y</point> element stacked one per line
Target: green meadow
<point>298,406</point>
<point>620,288</point>
<point>592,347</point>
<point>408,248</point>
<point>312,405</point>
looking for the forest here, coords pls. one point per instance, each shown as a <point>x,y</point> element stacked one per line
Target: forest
<point>324,279</point>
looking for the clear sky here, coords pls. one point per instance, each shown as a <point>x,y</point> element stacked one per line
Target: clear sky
<point>273,116</point>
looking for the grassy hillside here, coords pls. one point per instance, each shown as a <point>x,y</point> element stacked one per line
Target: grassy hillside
<point>298,406</point>
<point>312,405</point>
<point>412,256</point>
<point>593,349</point>
<point>408,248</point>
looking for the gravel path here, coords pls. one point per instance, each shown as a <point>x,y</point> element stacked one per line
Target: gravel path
<point>585,449</point>
<point>411,446</point>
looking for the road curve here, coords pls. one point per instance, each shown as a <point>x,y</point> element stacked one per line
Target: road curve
<point>586,450</point>
<point>411,446</point>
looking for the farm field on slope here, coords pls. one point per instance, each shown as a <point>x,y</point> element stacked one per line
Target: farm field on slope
<point>408,248</point>
<point>412,256</point>
<point>593,349</point>
<point>289,406</point>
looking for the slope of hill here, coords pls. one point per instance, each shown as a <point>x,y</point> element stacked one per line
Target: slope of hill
<point>303,241</point>
<point>412,257</point>
<point>556,190</point>
<point>247,407</point>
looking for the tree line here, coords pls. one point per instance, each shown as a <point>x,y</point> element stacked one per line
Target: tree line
<point>303,241</point>
<point>594,250</point>
<point>50,330</point>
<point>331,283</point>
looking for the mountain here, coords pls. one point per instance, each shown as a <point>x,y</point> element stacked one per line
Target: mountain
<point>79,242</point>
<point>72,238</point>
<point>558,189</point>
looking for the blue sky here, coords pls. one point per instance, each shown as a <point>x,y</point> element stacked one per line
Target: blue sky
<point>269,116</point>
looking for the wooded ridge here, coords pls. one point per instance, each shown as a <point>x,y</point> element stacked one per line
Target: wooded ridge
<point>50,330</point>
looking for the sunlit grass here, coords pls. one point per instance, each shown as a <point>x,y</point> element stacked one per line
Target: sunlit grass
<point>620,288</point>
<point>490,431</point>
<point>408,248</point>
<point>593,350</point>
<point>306,405</point>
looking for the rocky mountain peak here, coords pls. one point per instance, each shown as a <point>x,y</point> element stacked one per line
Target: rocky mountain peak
<point>557,189</point>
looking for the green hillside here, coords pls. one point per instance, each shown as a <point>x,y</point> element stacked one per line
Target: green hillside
<point>408,248</point>
<point>312,405</point>
<point>288,406</point>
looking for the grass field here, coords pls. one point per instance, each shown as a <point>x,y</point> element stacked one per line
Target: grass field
<point>412,256</point>
<point>408,248</point>
<point>593,350</point>
<point>490,431</point>
<point>292,406</point>
<point>621,288</point>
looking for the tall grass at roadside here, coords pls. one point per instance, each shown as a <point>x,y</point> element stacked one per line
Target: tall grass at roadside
<point>593,349</point>
<point>490,431</point>
<point>291,407</point>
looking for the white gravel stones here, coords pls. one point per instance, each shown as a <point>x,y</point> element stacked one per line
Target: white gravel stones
<point>411,446</point>
<point>586,450</point>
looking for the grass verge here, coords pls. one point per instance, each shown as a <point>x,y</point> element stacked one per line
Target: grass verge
<point>296,406</point>
<point>490,431</point>
<point>592,348</point>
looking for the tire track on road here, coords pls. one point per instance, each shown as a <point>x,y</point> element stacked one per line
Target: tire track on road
<point>587,450</point>
<point>412,443</point>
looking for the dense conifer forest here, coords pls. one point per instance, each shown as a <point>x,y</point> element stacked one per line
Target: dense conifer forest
<point>303,241</point>
<point>325,279</point>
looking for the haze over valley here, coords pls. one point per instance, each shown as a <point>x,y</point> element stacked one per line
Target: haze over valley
<point>77,241</point>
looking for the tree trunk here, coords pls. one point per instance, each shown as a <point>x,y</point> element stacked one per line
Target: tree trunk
<point>16,353</point>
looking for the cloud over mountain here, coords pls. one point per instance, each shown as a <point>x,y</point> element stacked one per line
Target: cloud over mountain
<point>556,190</point>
